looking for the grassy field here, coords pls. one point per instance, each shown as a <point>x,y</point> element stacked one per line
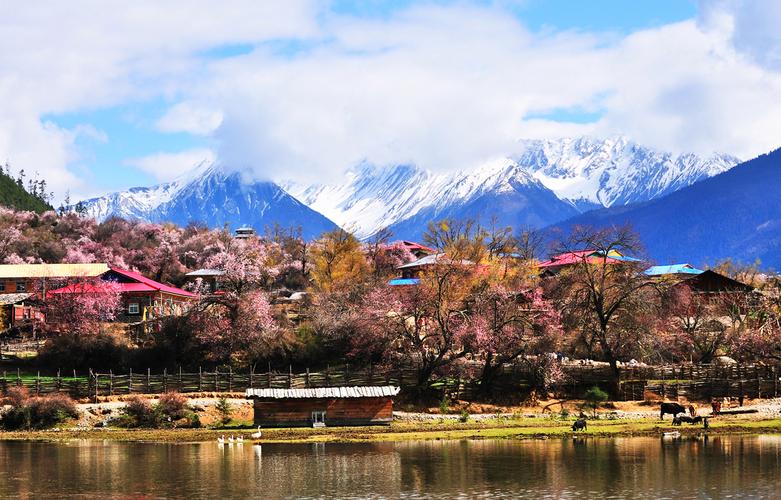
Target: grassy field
<point>523,428</point>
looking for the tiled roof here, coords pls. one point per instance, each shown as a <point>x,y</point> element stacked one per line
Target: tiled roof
<point>325,392</point>
<point>430,260</point>
<point>52,270</point>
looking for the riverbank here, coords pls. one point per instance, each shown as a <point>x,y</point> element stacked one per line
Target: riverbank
<point>496,428</point>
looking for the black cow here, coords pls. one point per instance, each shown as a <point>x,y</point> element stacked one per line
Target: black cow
<point>676,421</point>
<point>579,425</point>
<point>685,419</point>
<point>671,408</point>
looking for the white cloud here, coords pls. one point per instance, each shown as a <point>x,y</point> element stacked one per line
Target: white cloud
<point>168,166</point>
<point>189,117</point>
<point>441,86</point>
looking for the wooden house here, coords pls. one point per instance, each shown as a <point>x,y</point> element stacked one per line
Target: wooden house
<point>556,263</point>
<point>19,309</point>
<point>318,407</point>
<point>142,298</point>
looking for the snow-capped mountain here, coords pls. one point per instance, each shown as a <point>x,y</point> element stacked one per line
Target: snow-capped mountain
<point>406,198</point>
<point>545,182</point>
<point>215,197</point>
<point>594,173</point>
<point>583,173</point>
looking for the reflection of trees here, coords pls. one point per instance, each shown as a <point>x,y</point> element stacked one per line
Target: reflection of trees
<point>624,467</point>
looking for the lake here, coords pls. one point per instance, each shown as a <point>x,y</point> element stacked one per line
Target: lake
<point>563,468</point>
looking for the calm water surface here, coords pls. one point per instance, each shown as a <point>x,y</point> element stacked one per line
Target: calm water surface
<point>718,467</point>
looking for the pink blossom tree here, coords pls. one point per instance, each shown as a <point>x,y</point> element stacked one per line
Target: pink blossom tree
<point>81,307</point>
<point>504,324</point>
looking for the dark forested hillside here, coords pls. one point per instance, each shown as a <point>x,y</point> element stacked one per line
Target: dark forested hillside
<point>736,214</point>
<point>14,195</point>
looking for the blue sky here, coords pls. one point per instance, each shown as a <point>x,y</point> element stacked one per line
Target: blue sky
<point>308,89</point>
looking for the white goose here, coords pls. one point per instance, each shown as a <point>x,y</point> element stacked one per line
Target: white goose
<point>231,439</point>
<point>221,439</point>
<point>240,439</point>
<point>257,435</point>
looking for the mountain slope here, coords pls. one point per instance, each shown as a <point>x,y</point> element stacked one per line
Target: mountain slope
<point>583,173</point>
<point>214,197</point>
<point>736,214</point>
<point>616,171</point>
<point>406,198</point>
<point>12,195</point>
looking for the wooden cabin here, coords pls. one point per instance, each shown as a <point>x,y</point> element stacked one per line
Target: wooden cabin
<point>319,407</point>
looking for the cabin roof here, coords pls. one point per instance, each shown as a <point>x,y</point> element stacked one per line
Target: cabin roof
<point>430,260</point>
<point>672,269</point>
<point>206,272</point>
<point>139,283</point>
<point>580,256</point>
<point>8,299</point>
<point>404,281</point>
<point>325,392</point>
<point>52,270</point>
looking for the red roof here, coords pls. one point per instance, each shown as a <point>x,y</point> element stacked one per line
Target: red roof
<point>411,245</point>
<point>142,284</point>
<point>569,258</point>
<point>145,284</point>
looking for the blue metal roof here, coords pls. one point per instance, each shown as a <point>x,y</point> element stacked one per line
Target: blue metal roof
<point>672,269</point>
<point>404,281</point>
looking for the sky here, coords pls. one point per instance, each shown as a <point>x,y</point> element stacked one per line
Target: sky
<point>99,96</point>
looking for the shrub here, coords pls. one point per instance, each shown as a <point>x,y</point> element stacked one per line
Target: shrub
<point>594,397</point>
<point>82,352</point>
<point>224,408</point>
<point>444,405</point>
<point>37,412</point>
<point>138,412</point>
<point>464,417</point>
<point>172,405</point>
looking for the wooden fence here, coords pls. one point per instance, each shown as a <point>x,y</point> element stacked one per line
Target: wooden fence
<point>636,382</point>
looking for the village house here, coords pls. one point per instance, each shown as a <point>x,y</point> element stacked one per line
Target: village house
<point>210,279</point>
<point>325,406</point>
<point>25,286</point>
<point>142,298</point>
<point>699,281</point>
<point>410,273</point>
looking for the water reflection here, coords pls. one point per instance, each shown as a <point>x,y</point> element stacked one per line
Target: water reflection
<point>583,468</point>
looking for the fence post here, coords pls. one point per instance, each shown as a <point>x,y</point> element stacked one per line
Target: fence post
<point>111,382</point>
<point>18,377</point>
<point>59,381</point>
<point>200,379</point>
<point>148,381</point>
<point>307,378</point>
<point>775,382</point>
<point>216,379</point>
<point>165,379</point>
<point>181,389</point>
<point>290,376</point>
<point>346,373</point>
<point>130,382</point>
<point>230,379</point>
<point>96,387</point>
<point>38,384</point>
<point>251,369</point>
<point>370,381</point>
<point>268,375</point>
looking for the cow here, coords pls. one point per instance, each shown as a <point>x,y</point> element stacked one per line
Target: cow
<point>579,425</point>
<point>685,419</point>
<point>671,408</point>
<point>676,421</point>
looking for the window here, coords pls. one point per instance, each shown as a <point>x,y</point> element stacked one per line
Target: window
<point>21,286</point>
<point>2,286</point>
<point>133,308</point>
<point>318,419</point>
